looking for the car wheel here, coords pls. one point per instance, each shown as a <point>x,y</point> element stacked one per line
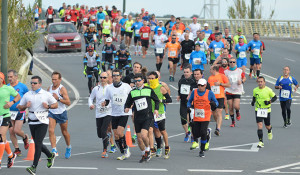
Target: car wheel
<point>79,50</point>
<point>46,49</point>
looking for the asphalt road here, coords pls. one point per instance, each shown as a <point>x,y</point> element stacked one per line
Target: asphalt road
<point>234,152</point>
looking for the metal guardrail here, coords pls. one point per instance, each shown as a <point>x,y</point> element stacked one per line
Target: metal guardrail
<point>23,71</point>
<point>267,28</point>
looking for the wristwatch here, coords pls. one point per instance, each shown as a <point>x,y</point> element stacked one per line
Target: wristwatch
<point>49,106</point>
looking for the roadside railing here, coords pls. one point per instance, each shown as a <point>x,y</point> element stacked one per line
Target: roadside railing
<point>23,71</point>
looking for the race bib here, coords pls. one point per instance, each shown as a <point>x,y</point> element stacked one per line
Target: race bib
<point>50,16</point>
<point>178,35</point>
<point>102,109</point>
<point>187,56</point>
<point>172,53</point>
<point>137,32</point>
<point>262,112</point>
<point>256,51</point>
<point>128,28</point>
<point>93,17</point>
<point>36,15</point>
<point>215,89</point>
<point>95,37</point>
<point>200,113</point>
<point>242,54</point>
<point>141,104</point>
<point>207,35</point>
<point>85,19</point>
<point>1,120</point>
<point>217,51</point>
<point>13,115</point>
<point>69,17</point>
<point>185,89</point>
<point>106,27</point>
<point>145,35</point>
<point>42,116</point>
<point>285,93</point>
<point>153,27</point>
<point>100,21</point>
<point>234,78</point>
<point>119,99</point>
<point>159,117</point>
<point>197,61</point>
<point>114,24</point>
<point>159,50</point>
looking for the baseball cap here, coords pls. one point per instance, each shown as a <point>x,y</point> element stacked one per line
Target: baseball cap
<point>159,29</point>
<point>239,30</point>
<point>205,25</point>
<point>147,12</point>
<point>202,81</point>
<point>241,37</point>
<point>125,14</point>
<point>160,21</point>
<point>194,18</point>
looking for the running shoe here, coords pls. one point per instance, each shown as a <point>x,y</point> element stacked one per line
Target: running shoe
<point>167,153</point>
<point>122,157</point>
<point>127,152</point>
<point>270,135</point>
<point>51,160</point>
<point>55,152</point>
<point>284,125</point>
<point>113,149</point>
<point>134,138</point>
<point>238,116</point>
<point>26,142</point>
<point>170,78</point>
<point>201,154</point>
<point>104,154</point>
<point>31,170</point>
<point>254,77</point>
<point>226,117</point>
<point>217,132</point>
<point>68,153</point>
<point>158,152</point>
<point>147,156</point>
<point>260,144</point>
<point>142,159</point>
<point>192,139</point>
<point>10,161</point>
<point>195,145</point>
<point>152,152</point>
<point>289,122</point>
<point>232,124</point>
<point>18,152</point>
<point>250,75</point>
<point>187,137</point>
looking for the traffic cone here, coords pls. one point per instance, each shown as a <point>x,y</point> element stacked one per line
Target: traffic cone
<point>43,25</point>
<point>31,150</point>
<point>128,137</point>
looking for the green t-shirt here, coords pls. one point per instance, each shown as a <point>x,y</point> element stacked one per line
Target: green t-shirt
<point>236,39</point>
<point>5,93</point>
<point>262,95</point>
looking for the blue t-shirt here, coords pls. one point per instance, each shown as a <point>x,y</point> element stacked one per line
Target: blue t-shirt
<point>286,84</point>
<point>242,50</point>
<point>122,22</point>
<point>207,32</point>
<point>254,45</point>
<point>217,47</point>
<point>146,18</point>
<point>194,60</point>
<point>171,25</point>
<point>21,89</point>
<point>100,16</point>
<point>36,11</point>
<point>137,26</point>
<point>211,97</point>
<point>163,30</point>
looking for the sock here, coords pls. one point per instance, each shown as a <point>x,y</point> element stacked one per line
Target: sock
<point>54,148</point>
<point>270,130</point>
<point>157,67</point>
<point>232,117</point>
<point>237,111</point>
<point>8,150</point>
<point>260,134</point>
<point>69,146</point>
<point>136,48</point>
<point>143,152</point>
<point>158,142</point>
<point>119,145</point>
<point>2,148</point>
<point>124,142</point>
<point>160,64</point>
<point>257,73</point>
<point>147,148</point>
<point>251,71</point>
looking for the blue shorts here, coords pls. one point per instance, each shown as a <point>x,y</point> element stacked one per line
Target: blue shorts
<point>59,118</point>
<point>254,61</point>
<point>241,62</point>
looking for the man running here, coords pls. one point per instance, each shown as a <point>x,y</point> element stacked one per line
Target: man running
<point>256,50</point>
<point>159,41</point>
<point>137,37</point>
<point>198,59</point>
<point>173,52</point>
<point>215,48</point>
<point>145,33</point>
<point>195,26</point>
<point>207,31</point>
<point>241,49</point>
<point>128,31</point>
<point>187,46</point>
<point>122,22</point>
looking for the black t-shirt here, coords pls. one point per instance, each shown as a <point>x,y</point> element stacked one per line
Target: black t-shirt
<point>187,46</point>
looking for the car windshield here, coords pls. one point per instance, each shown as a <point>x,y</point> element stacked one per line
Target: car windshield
<point>62,28</point>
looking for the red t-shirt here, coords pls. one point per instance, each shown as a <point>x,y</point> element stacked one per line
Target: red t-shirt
<point>145,32</point>
<point>93,15</point>
<point>67,15</point>
<point>87,16</point>
<point>74,14</point>
<point>212,37</point>
<point>81,13</point>
<point>221,70</point>
<point>114,15</point>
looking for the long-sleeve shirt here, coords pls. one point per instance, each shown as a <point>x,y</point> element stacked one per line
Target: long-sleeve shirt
<point>211,97</point>
<point>197,60</point>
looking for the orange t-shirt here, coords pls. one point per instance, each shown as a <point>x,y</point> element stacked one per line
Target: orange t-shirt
<point>173,49</point>
<point>202,107</point>
<point>178,33</point>
<point>218,90</point>
<point>181,26</point>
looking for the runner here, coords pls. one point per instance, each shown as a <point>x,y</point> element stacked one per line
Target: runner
<point>67,14</point>
<point>236,37</point>
<point>284,84</point>
<point>123,30</point>
<point>198,59</point>
<point>106,26</point>
<point>145,33</point>
<point>225,54</point>
<point>169,25</point>
<point>181,25</point>
<point>50,14</point>
<point>123,59</point>
<point>101,17</point>
<point>128,30</point>
<point>216,47</point>
<point>236,78</point>
<point>187,47</point>
<point>160,25</point>
<point>194,27</point>
<point>141,98</point>
<point>256,50</point>
<point>108,54</point>
<point>59,115</point>
<point>153,25</point>
<point>146,17</point>
<point>74,14</point>
<point>159,41</point>
<point>81,17</point>
<point>38,101</point>
<point>103,114</point>
<point>212,37</point>
<point>85,20</point>
<point>17,117</point>
<point>190,34</point>
<point>5,118</point>
<point>173,53</point>
<point>93,13</point>
<point>91,36</point>
<point>207,31</point>
<point>240,49</point>
<point>176,31</point>
<point>263,96</point>
<point>137,37</point>
<point>204,101</point>
<point>218,83</point>
<point>116,94</point>
<point>228,38</point>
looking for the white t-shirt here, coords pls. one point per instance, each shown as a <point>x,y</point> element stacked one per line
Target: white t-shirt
<point>203,45</point>
<point>191,37</point>
<point>195,28</point>
<point>99,93</point>
<point>159,40</point>
<point>117,97</point>
<point>234,77</point>
<point>36,100</point>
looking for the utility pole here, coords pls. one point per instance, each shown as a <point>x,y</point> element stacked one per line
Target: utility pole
<point>124,6</point>
<point>252,9</point>
<point>4,25</point>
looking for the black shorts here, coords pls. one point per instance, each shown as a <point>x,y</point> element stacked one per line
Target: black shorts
<point>21,116</point>
<point>221,103</point>
<point>49,21</point>
<point>106,35</point>
<point>160,55</point>
<point>136,39</point>
<point>99,28</point>
<point>123,33</point>
<point>142,124</point>
<point>119,121</point>
<point>267,120</point>
<point>211,62</point>
<point>161,125</point>
<point>6,122</point>
<point>107,58</point>
<point>145,43</point>
<point>232,96</point>
<point>79,23</point>
<point>129,34</point>
<point>174,60</point>
<point>90,69</point>
<point>200,129</point>
<point>183,112</point>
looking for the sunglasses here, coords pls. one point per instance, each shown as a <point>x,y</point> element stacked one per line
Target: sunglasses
<point>232,62</point>
<point>103,77</point>
<point>115,75</point>
<point>33,82</point>
<point>173,38</point>
<point>201,85</point>
<point>138,80</point>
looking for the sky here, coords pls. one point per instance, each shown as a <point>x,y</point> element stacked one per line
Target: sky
<point>284,9</point>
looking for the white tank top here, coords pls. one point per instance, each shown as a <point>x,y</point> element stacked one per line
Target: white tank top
<point>61,107</point>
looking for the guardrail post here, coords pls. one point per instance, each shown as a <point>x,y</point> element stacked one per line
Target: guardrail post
<point>251,27</point>
<point>276,29</point>
<point>232,28</point>
<point>285,29</point>
<point>260,28</point>
<point>296,34</point>
<point>271,29</point>
<point>290,30</point>
<point>266,29</point>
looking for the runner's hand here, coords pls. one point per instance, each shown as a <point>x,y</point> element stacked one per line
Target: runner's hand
<point>92,107</point>
<point>28,104</point>
<point>156,112</point>
<point>55,96</point>
<point>45,105</point>
<point>178,98</point>
<point>126,110</point>
<point>8,104</point>
<point>267,102</point>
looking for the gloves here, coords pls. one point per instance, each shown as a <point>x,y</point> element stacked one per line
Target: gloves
<point>84,71</point>
<point>252,103</point>
<point>213,106</point>
<point>99,71</point>
<point>267,102</point>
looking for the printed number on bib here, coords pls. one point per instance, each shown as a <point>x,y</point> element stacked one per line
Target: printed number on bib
<point>42,116</point>
<point>200,113</point>
<point>285,93</point>
<point>128,28</point>
<point>36,15</point>
<point>233,78</point>
<point>13,115</point>
<point>197,61</point>
<point>242,54</point>
<point>106,27</point>
<point>256,51</point>
<point>215,89</point>
<point>159,50</point>
<point>93,17</point>
<point>141,104</point>
<point>85,19</point>
<point>69,17</point>
<point>50,16</point>
<point>102,109</point>
<point>218,51</point>
<point>145,35</point>
<point>187,56</point>
<point>153,27</point>
<point>118,99</point>
<point>159,117</point>
<point>1,120</point>
<point>172,53</point>
<point>137,32</point>
<point>261,112</point>
<point>100,21</point>
<point>207,35</point>
<point>185,89</point>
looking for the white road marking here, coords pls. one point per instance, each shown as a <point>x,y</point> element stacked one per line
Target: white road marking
<point>294,42</point>
<point>77,96</point>
<point>69,168</point>
<point>289,59</point>
<point>140,169</point>
<point>176,135</point>
<point>278,168</point>
<point>173,87</point>
<point>230,148</point>
<point>45,143</point>
<point>216,171</point>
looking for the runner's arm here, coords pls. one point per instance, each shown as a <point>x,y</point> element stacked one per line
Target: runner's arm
<point>65,97</point>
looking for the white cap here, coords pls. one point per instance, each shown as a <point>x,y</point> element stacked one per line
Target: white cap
<point>205,25</point>
<point>159,29</point>
<point>160,21</point>
<point>125,14</point>
<point>202,81</point>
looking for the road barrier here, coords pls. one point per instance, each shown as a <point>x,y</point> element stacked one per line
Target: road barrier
<point>23,71</point>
